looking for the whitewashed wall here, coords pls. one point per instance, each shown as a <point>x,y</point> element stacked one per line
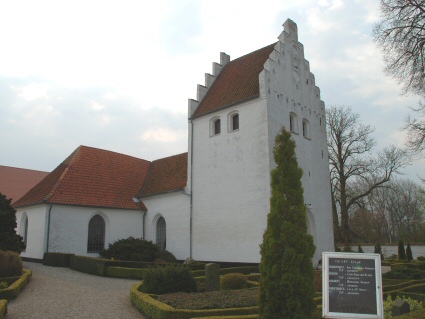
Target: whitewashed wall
<point>37,231</point>
<point>174,207</point>
<point>231,185</point>
<point>290,87</point>
<point>69,227</point>
<point>231,171</point>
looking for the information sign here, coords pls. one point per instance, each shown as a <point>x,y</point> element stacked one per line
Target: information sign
<point>352,285</point>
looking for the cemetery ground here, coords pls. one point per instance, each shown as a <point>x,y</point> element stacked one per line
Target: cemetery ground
<point>55,292</point>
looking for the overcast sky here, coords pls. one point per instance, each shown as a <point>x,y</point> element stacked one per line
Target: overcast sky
<point>117,75</point>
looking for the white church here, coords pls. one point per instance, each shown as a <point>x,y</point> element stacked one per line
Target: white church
<point>211,203</point>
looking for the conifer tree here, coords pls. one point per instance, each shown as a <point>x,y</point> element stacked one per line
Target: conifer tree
<point>409,254</point>
<point>287,274</point>
<point>401,251</point>
<point>9,240</point>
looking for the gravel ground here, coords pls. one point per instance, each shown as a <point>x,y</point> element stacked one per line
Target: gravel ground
<point>56,293</point>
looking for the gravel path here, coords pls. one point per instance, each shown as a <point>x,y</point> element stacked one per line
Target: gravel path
<point>56,293</point>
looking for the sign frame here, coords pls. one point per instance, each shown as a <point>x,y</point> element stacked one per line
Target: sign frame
<point>347,259</point>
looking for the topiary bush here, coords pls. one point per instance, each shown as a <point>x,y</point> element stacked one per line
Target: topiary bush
<point>136,249</point>
<point>10,264</point>
<point>401,250</point>
<point>409,254</point>
<point>233,281</point>
<point>168,279</point>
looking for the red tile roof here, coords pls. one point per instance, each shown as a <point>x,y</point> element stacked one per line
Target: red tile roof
<point>166,175</point>
<point>15,182</point>
<point>91,177</point>
<point>237,82</point>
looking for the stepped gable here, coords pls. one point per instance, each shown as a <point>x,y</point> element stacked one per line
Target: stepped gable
<point>237,82</point>
<point>91,177</point>
<point>166,175</point>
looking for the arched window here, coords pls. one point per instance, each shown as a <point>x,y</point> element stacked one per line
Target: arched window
<point>235,122</point>
<point>96,237</point>
<point>161,233</point>
<point>306,129</point>
<point>217,127</point>
<point>293,123</point>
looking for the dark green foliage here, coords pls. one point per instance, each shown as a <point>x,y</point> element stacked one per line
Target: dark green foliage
<point>378,250</point>
<point>360,249</point>
<point>233,281</point>
<point>57,259</point>
<point>136,249</point>
<point>168,279</point>
<point>401,251</point>
<point>10,264</point>
<point>3,284</point>
<point>409,254</point>
<point>9,240</point>
<point>287,274</point>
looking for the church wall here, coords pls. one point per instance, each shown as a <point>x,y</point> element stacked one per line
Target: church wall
<point>36,235</point>
<point>69,227</point>
<point>290,88</point>
<point>230,185</point>
<point>174,207</point>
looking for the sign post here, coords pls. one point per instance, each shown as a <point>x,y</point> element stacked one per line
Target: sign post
<point>352,285</point>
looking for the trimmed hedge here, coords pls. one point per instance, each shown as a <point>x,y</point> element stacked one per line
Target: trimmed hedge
<point>246,270</point>
<point>99,266</point>
<point>13,290</point>
<point>89,265</point>
<point>128,273</point>
<point>57,259</point>
<point>155,309</point>
<point>3,308</point>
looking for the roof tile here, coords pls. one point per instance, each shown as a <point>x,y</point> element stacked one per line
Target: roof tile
<point>237,82</point>
<point>166,175</point>
<point>91,177</point>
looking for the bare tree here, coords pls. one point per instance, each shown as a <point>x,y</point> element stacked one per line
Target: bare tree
<point>415,128</point>
<point>401,35</point>
<point>350,145</point>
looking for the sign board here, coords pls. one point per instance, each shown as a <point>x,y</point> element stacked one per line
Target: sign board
<point>352,285</point>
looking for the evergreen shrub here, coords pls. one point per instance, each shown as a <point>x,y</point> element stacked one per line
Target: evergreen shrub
<point>233,281</point>
<point>401,251</point>
<point>168,279</point>
<point>287,273</point>
<point>10,264</point>
<point>136,249</point>
<point>9,240</point>
<point>409,254</point>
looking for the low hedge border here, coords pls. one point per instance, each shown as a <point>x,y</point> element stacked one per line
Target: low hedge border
<point>100,266</point>
<point>57,259</point>
<point>158,310</point>
<point>122,272</point>
<point>247,270</point>
<point>3,308</point>
<point>13,290</point>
